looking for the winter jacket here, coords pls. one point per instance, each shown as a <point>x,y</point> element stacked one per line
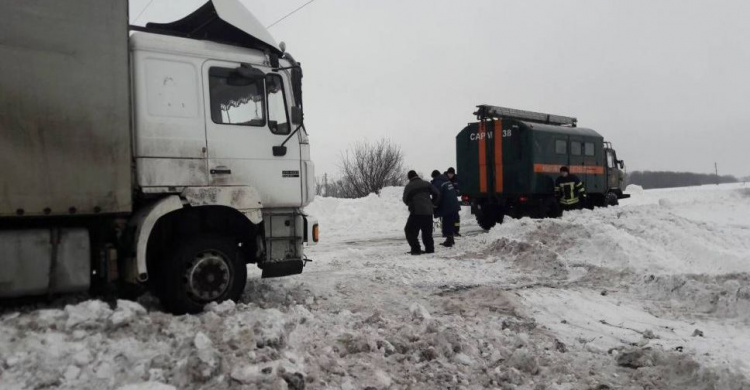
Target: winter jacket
<point>448,197</point>
<point>421,197</point>
<point>457,187</point>
<point>569,189</point>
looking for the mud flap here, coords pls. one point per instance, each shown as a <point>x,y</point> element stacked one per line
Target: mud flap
<point>282,268</point>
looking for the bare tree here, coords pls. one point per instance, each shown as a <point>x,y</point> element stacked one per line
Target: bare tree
<point>321,185</point>
<point>366,168</point>
<point>330,188</point>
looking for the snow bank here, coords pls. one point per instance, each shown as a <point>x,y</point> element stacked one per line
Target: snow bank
<point>634,189</point>
<point>374,216</point>
<point>662,231</point>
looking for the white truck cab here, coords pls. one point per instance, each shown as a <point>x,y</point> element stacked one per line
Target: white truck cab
<point>187,159</point>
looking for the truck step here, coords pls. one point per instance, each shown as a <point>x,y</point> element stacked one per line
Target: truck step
<point>282,268</point>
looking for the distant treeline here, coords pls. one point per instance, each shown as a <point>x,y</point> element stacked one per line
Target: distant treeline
<point>663,179</point>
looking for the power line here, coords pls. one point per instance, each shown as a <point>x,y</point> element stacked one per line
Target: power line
<point>142,11</point>
<point>290,14</point>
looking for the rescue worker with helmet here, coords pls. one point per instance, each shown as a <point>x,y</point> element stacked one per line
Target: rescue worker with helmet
<point>569,190</point>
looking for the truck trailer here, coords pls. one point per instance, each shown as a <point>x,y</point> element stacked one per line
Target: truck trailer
<point>509,159</point>
<point>166,157</point>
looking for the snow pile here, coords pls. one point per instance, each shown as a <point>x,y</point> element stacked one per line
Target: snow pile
<point>88,346</point>
<point>634,189</point>
<point>381,214</point>
<point>374,216</point>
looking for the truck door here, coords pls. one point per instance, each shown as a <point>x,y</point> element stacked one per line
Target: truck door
<point>613,173</point>
<point>245,119</point>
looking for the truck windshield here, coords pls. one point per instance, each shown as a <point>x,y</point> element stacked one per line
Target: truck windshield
<point>236,100</point>
<point>610,159</point>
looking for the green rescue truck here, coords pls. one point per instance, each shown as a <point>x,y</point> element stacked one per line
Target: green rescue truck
<point>508,162</point>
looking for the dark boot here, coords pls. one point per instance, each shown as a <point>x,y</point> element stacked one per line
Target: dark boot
<point>448,242</point>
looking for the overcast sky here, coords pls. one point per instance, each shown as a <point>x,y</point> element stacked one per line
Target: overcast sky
<point>668,82</point>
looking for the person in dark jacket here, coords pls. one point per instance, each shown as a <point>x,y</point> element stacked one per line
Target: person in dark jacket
<point>421,198</point>
<point>569,190</point>
<point>448,206</point>
<point>451,175</point>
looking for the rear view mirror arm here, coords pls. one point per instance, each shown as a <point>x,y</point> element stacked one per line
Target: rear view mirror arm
<point>291,135</point>
<point>281,149</point>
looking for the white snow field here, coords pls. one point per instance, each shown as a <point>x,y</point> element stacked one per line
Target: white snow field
<point>652,294</point>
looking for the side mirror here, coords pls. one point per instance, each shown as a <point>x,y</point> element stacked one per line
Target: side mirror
<point>279,151</point>
<point>297,115</point>
<point>622,164</point>
<point>247,71</point>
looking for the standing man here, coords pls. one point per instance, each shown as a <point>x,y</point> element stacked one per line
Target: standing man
<point>421,198</point>
<point>451,175</point>
<point>448,206</point>
<point>569,190</point>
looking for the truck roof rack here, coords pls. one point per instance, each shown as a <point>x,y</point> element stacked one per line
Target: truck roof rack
<point>486,111</point>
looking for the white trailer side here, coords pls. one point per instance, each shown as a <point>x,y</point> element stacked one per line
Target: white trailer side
<point>64,108</point>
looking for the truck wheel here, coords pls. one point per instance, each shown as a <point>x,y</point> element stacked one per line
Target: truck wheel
<point>203,270</point>
<point>611,199</point>
<point>487,217</point>
<point>552,208</point>
<point>486,223</point>
<point>500,216</point>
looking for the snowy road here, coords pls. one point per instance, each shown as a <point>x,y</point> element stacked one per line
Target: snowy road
<point>653,294</point>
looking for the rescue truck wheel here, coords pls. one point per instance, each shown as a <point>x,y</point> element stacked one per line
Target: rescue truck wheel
<point>488,216</point>
<point>204,270</point>
<point>486,223</point>
<point>611,199</point>
<point>551,208</point>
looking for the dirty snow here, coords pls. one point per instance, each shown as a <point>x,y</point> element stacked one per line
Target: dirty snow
<point>652,294</point>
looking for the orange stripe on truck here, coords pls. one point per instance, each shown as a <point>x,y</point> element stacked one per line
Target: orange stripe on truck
<point>498,136</point>
<point>482,157</point>
<point>574,169</point>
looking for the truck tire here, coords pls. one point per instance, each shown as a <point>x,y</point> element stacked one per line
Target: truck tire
<point>611,199</point>
<point>486,223</point>
<point>552,208</point>
<point>487,217</point>
<point>203,270</point>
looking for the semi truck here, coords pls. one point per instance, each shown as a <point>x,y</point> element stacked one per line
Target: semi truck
<point>509,159</point>
<point>166,157</point>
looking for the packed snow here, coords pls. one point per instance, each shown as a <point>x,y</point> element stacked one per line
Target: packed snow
<point>652,294</point>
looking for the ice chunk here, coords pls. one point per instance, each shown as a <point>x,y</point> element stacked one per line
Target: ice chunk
<point>147,386</point>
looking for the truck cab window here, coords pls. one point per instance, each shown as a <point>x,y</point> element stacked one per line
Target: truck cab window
<point>575,148</point>
<point>561,147</point>
<point>610,159</point>
<point>278,120</point>
<point>236,100</point>
<point>589,148</point>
